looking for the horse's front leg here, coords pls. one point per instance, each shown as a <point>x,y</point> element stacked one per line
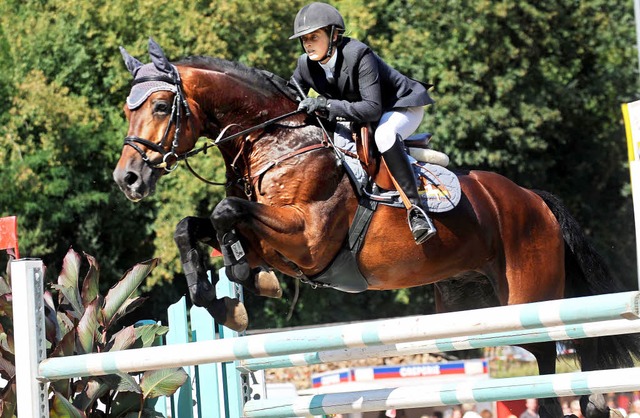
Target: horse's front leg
<point>226,311</point>
<point>280,229</point>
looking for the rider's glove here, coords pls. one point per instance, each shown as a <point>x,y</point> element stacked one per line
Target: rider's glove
<point>314,104</point>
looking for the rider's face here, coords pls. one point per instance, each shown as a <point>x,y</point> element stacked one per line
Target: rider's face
<point>316,44</point>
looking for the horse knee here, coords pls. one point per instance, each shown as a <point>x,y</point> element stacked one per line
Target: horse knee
<point>226,214</point>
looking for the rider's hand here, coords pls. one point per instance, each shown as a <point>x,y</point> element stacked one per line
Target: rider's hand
<point>314,104</point>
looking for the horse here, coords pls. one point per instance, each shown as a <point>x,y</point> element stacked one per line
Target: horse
<point>289,207</point>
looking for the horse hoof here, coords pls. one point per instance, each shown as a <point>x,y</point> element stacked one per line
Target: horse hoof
<point>268,285</point>
<point>236,317</point>
<point>595,406</point>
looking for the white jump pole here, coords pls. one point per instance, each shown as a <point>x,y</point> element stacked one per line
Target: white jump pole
<point>27,283</point>
<point>545,386</point>
<point>528,336</point>
<point>390,331</point>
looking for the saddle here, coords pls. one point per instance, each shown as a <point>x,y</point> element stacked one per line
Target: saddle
<point>417,146</point>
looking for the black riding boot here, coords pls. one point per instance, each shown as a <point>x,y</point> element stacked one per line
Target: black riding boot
<point>398,162</point>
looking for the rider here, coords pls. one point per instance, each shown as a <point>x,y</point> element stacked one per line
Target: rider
<point>356,85</point>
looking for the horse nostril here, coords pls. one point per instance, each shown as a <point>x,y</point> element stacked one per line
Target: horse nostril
<point>130,178</point>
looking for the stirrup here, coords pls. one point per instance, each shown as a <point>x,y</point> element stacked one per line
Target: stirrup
<point>421,233</point>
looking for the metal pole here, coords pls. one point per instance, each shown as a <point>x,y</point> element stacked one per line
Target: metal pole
<point>29,336</point>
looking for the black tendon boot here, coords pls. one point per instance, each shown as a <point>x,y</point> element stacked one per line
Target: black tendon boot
<point>235,259</point>
<point>398,162</point>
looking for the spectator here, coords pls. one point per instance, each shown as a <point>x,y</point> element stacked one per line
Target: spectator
<point>485,413</point>
<point>469,410</point>
<point>634,409</point>
<point>532,409</point>
<point>575,408</point>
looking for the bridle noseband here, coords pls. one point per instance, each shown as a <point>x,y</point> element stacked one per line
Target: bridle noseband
<point>179,103</point>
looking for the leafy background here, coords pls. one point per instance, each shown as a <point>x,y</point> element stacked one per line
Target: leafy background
<point>530,89</point>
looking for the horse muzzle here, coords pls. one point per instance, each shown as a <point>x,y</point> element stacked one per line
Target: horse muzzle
<point>136,182</point>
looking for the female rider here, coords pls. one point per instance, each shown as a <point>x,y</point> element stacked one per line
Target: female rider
<point>356,85</point>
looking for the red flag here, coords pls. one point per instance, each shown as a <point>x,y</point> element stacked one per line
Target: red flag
<point>9,234</point>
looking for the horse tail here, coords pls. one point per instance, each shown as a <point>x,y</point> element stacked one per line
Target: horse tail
<point>587,274</point>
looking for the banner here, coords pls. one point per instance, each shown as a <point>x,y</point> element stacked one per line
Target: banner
<point>631,114</point>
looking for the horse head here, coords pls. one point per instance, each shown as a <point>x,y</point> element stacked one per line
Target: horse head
<point>163,124</point>
<point>171,105</point>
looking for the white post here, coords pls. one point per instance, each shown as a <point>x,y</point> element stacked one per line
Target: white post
<point>29,336</point>
<point>631,114</point>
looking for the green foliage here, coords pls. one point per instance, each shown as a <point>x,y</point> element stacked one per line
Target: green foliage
<point>83,321</point>
<point>529,89</point>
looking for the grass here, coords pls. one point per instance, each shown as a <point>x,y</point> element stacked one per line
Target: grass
<point>514,368</point>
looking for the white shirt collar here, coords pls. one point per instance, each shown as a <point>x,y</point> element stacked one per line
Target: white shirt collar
<point>331,64</point>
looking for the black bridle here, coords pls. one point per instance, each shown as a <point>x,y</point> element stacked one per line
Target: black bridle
<point>179,104</point>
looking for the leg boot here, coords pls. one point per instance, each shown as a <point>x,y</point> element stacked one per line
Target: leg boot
<point>398,162</point>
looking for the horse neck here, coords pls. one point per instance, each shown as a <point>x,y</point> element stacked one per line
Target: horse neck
<point>228,101</point>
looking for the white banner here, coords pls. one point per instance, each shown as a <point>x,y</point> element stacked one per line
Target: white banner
<point>631,114</point>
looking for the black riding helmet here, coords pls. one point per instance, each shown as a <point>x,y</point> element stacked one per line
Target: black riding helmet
<point>315,16</point>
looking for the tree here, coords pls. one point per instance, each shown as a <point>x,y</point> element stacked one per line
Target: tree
<point>529,89</point>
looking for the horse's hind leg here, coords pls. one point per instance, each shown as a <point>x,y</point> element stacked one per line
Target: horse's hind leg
<point>545,354</point>
<point>592,406</point>
<point>226,311</point>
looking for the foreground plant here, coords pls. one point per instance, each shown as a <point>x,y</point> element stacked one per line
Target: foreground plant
<point>83,321</point>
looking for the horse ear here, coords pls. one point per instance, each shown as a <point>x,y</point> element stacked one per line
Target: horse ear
<point>158,58</point>
<point>131,63</point>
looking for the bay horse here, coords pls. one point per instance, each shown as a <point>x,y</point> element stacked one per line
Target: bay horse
<point>289,207</point>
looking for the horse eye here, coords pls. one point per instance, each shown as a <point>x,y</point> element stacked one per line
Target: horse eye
<point>161,107</point>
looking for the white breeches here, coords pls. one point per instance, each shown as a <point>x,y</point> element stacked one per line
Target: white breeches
<point>403,122</point>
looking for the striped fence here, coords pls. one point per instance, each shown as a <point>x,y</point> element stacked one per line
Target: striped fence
<point>517,324</point>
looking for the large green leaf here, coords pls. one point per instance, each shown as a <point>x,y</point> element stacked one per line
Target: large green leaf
<point>66,346</point>
<point>68,282</point>
<point>7,368</point>
<point>128,383</point>
<point>8,399</point>
<point>127,307</point>
<point>90,287</point>
<point>148,333</point>
<point>125,402</point>
<point>88,326</point>
<point>4,286</point>
<point>52,326</point>
<point>125,288</point>
<point>123,339</point>
<point>65,323</point>
<point>4,342</point>
<point>94,388</point>
<point>62,408</point>
<point>164,382</point>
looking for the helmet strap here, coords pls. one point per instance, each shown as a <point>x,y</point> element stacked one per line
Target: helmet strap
<point>331,44</point>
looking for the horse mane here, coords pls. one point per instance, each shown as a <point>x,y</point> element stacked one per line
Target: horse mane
<point>254,76</point>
